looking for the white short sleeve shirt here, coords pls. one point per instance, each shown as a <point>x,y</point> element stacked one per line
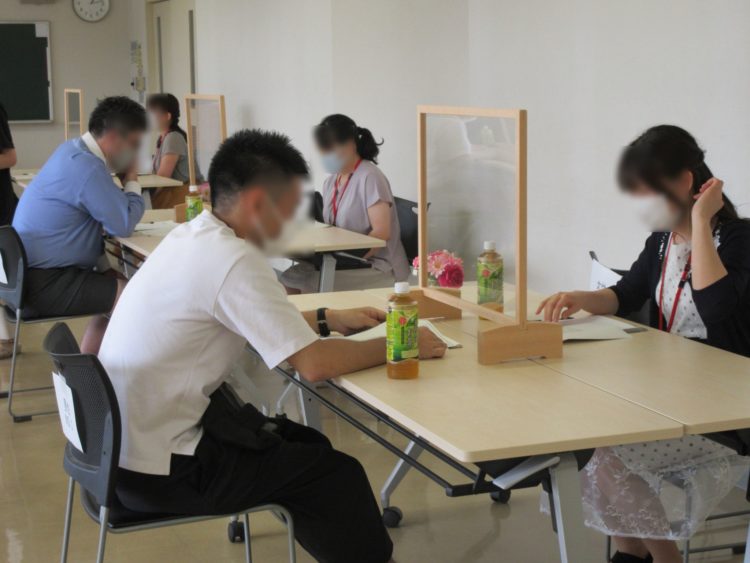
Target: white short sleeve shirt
<point>178,328</point>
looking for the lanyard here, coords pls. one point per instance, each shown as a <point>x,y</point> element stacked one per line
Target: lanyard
<point>336,199</point>
<point>680,286</point>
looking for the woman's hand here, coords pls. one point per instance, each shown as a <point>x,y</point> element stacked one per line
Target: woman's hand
<point>430,346</point>
<point>708,201</point>
<point>562,305</point>
<point>349,321</point>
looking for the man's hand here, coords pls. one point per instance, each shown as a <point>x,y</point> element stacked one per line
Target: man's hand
<point>349,321</point>
<point>131,174</point>
<point>430,346</point>
<point>708,201</point>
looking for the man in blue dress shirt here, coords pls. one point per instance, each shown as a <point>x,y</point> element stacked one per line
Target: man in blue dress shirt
<point>67,208</point>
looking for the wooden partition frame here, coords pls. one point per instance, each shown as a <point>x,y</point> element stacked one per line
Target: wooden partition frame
<point>219,98</point>
<point>81,122</point>
<point>506,337</point>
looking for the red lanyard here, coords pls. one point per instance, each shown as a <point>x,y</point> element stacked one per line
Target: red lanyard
<point>336,199</point>
<point>680,286</point>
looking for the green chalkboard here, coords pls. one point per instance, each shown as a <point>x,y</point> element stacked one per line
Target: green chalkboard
<point>24,71</point>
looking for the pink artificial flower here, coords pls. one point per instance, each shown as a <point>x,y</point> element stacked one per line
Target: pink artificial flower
<point>452,276</point>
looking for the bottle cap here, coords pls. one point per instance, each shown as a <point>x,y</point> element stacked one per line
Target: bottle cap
<point>402,287</point>
<point>489,245</point>
<point>193,189</point>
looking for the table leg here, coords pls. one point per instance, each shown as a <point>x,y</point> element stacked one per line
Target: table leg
<point>413,450</point>
<point>309,408</point>
<point>327,273</point>
<point>568,509</point>
<point>146,195</point>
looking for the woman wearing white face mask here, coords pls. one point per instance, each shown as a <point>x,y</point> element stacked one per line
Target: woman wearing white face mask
<point>695,269</point>
<point>356,196</point>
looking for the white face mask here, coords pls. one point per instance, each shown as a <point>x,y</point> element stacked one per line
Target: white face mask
<point>122,161</point>
<point>656,212</point>
<point>275,247</point>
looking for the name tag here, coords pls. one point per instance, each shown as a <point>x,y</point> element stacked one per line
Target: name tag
<point>3,275</point>
<point>66,409</point>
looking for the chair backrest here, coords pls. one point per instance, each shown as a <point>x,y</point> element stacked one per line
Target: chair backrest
<point>14,265</point>
<point>409,223</point>
<point>316,207</point>
<point>602,276</point>
<point>97,416</point>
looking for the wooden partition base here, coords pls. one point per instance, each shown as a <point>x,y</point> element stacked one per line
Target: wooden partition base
<point>502,343</point>
<point>431,308</point>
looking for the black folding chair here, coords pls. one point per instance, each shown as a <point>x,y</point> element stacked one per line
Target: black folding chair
<point>409,223</point>
<point>13,294</point>
<point>95,468</point>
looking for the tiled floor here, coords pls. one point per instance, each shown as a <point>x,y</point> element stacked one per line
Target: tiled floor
<point>436,529</point>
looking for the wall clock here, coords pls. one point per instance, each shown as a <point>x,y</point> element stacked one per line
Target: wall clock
<point>91,10</point>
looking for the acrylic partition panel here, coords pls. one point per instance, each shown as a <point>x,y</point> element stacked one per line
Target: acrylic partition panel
<point>471,183</point>
<point>207,128</point>
<point>75,121</point>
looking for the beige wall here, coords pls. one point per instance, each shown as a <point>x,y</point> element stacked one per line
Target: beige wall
<point>592,75</point>
<point>94,57</point>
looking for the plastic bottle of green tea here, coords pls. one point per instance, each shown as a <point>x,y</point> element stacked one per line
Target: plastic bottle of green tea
<point>402,331</point>
<point>490,277</point>
<point>193,203</point>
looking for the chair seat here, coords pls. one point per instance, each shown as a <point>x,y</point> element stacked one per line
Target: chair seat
<point>10,316</point>
<point>122,517</point>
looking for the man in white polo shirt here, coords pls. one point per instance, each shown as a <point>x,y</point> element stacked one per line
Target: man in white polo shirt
<point>182,322</point>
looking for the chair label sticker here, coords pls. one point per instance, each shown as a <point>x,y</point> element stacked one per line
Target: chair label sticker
<point>64,396</point>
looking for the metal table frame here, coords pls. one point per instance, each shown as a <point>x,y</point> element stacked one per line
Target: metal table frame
<point>561,469</point>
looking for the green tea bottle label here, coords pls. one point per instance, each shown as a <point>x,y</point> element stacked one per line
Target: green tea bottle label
<point>402,334</point>
<point>490,282</point>
<point>194,207</point>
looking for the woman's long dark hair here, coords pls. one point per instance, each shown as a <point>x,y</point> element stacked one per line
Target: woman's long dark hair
<point>168,104</point>
<point>338,128</point>
<point>662,153</point>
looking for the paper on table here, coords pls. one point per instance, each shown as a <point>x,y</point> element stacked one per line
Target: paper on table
<point>594,327</point>
<point>319,225</point>
<point>379,332</point>
<point>157,227</point>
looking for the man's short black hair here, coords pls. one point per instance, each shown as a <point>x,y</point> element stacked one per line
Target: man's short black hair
<point>117,112</point>
<point>251,157</point>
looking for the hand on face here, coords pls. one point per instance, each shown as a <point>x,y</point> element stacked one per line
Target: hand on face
<point>709,200</point>
<point>349,321</point>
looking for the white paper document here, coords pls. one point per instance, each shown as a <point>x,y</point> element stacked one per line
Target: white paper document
<point>66,409</point>
<point>156,228</point>
<point>594,327</point>
<point>379,332</point>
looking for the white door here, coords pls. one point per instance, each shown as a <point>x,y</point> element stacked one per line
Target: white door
<point>173,47</point>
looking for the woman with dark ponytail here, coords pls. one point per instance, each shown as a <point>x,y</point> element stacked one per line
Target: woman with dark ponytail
<point>695,270</point>
<point>171,156</point>
<point>356,196</point>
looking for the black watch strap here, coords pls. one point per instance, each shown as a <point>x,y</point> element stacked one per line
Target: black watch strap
<point>323,323</point>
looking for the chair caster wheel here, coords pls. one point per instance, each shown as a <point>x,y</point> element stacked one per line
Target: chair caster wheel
<point>21,418</point>
<point>392,516</point>
<point>236,531</point>
<point>500,496</point>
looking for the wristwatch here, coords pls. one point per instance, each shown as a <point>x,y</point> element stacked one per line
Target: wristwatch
<point>323,323</point>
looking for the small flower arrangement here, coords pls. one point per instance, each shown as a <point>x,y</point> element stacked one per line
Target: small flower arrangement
<point>444,269</point>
